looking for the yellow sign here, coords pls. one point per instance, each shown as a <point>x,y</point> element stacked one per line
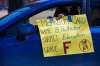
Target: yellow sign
<point>65,36</point>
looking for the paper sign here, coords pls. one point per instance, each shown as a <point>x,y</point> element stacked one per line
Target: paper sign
<point>64,36</point>
<point>51,40</point>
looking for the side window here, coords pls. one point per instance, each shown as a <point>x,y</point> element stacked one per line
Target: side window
<point>66,10</point>
<point>95,17</point>
<point>43,14</point>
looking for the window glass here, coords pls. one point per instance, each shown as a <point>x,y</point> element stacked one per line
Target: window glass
<point>95,20</point>
<point>53,12</point>
<point>44,14</point>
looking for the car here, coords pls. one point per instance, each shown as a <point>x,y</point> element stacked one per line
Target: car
<point>20,43</point>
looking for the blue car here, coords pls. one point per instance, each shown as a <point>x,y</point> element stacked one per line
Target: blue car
<point>20,43</point>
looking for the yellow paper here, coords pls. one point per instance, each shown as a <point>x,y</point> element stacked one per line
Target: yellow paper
<point>61,37</point>
<point>51,40</point>
<point>77,38</point>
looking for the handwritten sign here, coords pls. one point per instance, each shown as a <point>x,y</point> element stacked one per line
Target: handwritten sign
<point>64,36</point>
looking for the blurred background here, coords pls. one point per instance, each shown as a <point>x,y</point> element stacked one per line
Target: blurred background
<point>3,8</point>
<point>7,6</point>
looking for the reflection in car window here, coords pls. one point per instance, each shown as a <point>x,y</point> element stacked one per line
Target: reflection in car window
<point>54,12</point>
<point>44,14</point>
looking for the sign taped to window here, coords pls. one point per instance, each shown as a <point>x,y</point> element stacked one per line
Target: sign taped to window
<point>65,37</point>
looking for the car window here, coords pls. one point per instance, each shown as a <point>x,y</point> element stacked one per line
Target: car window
<point>95,19</point>
<point>43,14</point>
<point>53,12</point>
